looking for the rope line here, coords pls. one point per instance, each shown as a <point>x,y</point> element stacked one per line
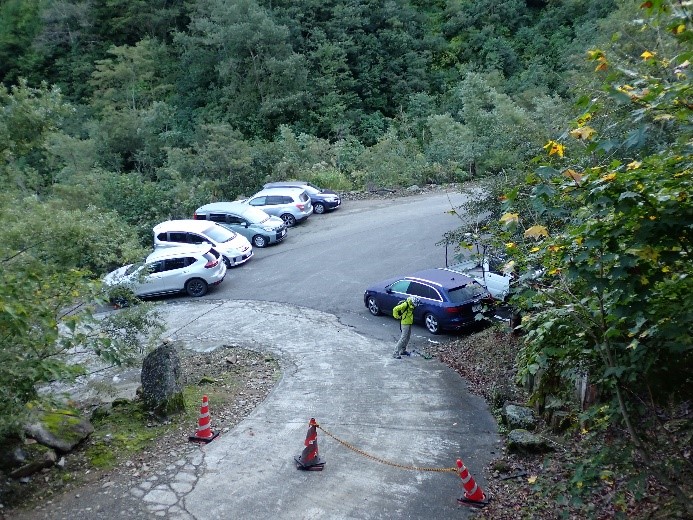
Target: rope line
<point>383,461</point>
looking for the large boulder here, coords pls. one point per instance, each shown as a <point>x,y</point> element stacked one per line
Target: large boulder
<point>522,441</point>
<point>519,417</point>
<point>162,387</point>
<point>59,429</point>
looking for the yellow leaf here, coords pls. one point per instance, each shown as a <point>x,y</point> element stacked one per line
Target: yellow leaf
<point>609,177</point>
<point>644,280</point>
<point>510,218</point>
<point>537,232</point>
<point>510,245</point>
<point>603,64</point>
<point>595,54</point>
<point>634,165</point>
<point>554,148</point>
<point>584,132</point>
<point>532,479</point>
<point>509,267</point>
<point>554,271</point>
<point>534,249</point>
<point>584,118</point>
<point>647,55</point>
<point>652,217</point>
<point>679,28</point>
<point>579,241</point>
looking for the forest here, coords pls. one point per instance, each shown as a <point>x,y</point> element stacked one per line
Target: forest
<point>575,115</point>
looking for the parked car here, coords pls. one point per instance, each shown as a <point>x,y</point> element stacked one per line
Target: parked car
<point>251,222</point>
<point>235,248</point>
<point>449,300</point>
<point>490,274</point>
<point>191,268</point>
<point>322,199</point>
<point>292,205</point>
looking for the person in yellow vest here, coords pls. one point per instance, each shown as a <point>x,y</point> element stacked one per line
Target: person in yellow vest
<point>404,312</point>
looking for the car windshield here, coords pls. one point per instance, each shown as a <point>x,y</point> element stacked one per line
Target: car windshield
<point>134,267</point>
<point>255,215</point>
<point>220,234</point>
<point>312,189</point>
<point>465,293</point>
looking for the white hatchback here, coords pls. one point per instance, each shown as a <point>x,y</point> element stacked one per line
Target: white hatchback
<point>234,247</point>
<point>192,269</point>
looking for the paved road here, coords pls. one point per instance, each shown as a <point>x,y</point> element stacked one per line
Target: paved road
<point>337,367</point>
<point>328,261</point>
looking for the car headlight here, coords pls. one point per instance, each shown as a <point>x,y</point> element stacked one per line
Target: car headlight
<point>268,229</point>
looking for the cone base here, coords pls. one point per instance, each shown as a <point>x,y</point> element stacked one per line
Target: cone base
<point>195,438</point>
<point>463,501</point>
<point>315,466</point>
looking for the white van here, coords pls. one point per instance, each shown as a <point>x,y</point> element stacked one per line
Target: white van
<point>235,248</point>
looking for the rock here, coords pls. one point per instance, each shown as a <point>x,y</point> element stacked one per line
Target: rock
<point>519,417</point>
<point>413,187</point>
<point>522,441</point>
<point>100,412</point>
<point>560,421</point>
<point>46,461</point>
<point>162,387</point>
<point>60,430</point>
<point>12,454</point>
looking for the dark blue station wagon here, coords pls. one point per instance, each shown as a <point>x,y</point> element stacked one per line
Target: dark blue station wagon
<point>449,300</point>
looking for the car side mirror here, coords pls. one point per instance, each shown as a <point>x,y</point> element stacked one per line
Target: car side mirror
<point>388,290</point>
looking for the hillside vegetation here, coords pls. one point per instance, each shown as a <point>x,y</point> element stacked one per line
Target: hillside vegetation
<point>575,115</point>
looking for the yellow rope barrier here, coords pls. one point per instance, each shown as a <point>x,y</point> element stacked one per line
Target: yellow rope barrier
<point>383,461</point>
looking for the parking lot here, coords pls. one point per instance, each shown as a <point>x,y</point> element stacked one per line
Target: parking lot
<point>327,262</point>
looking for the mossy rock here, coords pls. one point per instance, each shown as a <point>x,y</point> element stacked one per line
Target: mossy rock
<point>59,429</point>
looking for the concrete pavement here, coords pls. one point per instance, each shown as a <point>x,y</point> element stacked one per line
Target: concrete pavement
<point>412,412</point>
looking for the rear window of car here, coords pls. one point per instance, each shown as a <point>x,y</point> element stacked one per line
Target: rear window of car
<point>304,197</point>
<point>466,293</point>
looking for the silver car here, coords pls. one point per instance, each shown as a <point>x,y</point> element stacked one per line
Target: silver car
<point>192,269</point>
<point>292,205</point>
<point>251,222</point>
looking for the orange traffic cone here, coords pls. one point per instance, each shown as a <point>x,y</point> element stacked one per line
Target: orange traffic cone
<point>204,433</point>
<point>309,459</point>
<point>473,495</point>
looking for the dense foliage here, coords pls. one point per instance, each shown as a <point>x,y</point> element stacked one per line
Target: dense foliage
<point>602,231</point>
<point>117,114</point>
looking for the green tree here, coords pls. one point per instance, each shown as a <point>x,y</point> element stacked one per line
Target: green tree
<point>258,81</point>
<point>608,217</point>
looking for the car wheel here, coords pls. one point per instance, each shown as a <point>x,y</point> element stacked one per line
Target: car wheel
<point>259,241</point>
<point>289,219</point>
<point>432,323</point>
<point>227,262</point>
<point>373,306</point>
<point>319,208</point>
<point>196,287</point>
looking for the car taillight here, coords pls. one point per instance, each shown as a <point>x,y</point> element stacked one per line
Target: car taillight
<point>300,206</point>
<point>452,310</point>
<point>211,263</point>
<point>196,216</point>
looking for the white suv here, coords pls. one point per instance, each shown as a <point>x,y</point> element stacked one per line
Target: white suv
<point>292,205</point>
<point>192,269</point>
<point>234,247</point>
